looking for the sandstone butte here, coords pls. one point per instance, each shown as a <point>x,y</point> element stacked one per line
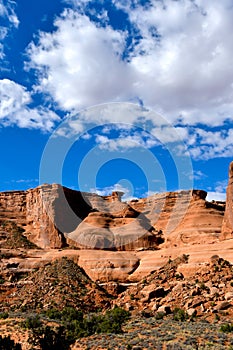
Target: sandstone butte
<point>118,241</point>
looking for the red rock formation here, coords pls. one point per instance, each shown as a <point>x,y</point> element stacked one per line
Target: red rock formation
<point>201,224</point>
<point>124,230</point>
<point>227,227</point>
<point>54,216</point>
<point>184,217</point>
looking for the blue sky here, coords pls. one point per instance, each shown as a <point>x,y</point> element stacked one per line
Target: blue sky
<point>128,95</point>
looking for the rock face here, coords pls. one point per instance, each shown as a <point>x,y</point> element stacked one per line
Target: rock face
<point>184,217</point>
<point>44,212</point>
<point>124,230</point>
<point>54,216</point>
<point>227,227</point>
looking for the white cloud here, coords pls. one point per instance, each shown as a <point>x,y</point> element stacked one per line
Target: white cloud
<point>7,11</point>
<point>184,71</point>
<point>196,175</point>
<point>212,144</point>
<point>187,69</point>
<point>168,134</point>
<point>126,141</point>
<point>219,191</point>
<point>80,63</point>
<point>15,110</point>
<point>216,196</point>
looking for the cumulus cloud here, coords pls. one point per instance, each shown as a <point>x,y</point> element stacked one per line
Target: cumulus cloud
<point>218,193</point>
<point>80,63</point>
<point>15,108</point>
<point>212,144</point>
<point>7,10</point>
<point>221,186</point>
<point>181,65</point>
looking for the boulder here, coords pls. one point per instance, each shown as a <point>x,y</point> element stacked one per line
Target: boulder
<point>164,309</point>
<point>229,296</point>
<point>150,292</point>
<point>222,305</point>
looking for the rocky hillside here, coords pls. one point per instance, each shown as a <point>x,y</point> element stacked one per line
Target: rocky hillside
<point>58,284</point>
<point>207,292</point>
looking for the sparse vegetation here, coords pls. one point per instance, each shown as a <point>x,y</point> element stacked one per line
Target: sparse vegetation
<point>4,315</point>
<point>32,322</point>
<point>180,314</point>
<point>73,325</point>
<point>79,325</point>
<point>226,328</point>
<point>15,237</point>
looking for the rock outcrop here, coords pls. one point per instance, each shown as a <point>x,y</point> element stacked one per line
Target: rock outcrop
<point>184,217</point>
<point>227,226</point>
<point>45,213</point>
<point>54,217</point>
<point>124,230</point>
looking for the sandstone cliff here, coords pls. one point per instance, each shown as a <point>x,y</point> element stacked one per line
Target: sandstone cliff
<point>54,216</point>
<point>227,226</point>
<point>184,217</point>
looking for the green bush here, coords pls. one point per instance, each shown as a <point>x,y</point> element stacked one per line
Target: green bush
<point>74,326</point>
<point>32,322</point>
<point>54,314</point>
<point>179,314</point>
<point>159,315</point>
<point>226,328</point>
<point>110,322</point>
<point>4,315</point>
<point>70,314</point>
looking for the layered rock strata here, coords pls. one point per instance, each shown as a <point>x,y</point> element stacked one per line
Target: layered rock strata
<point>184,217</point>
<point>227,226</point>
<point>54,216</point>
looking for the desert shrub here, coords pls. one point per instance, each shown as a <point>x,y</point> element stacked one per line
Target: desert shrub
<point>54,314</point>
<point>179,314</point>
<point>32,322</point>
<point>70,314</point>
<point>110,322</point>
<point>113,320</point>
<point>74,325</point>
<point>7,344</point>
<point>226,328</point>
<point>159,315</point>
<point>4,315</point>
